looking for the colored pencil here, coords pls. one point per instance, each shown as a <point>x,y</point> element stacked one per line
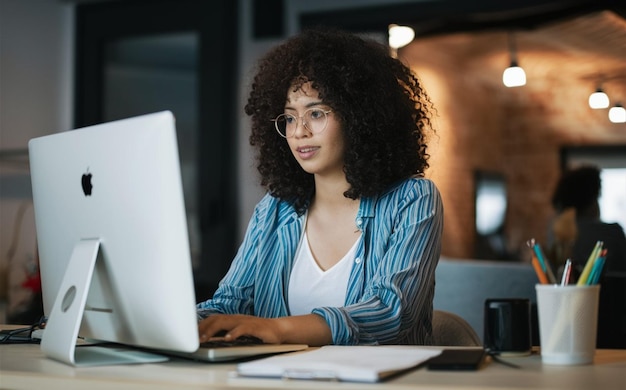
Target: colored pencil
<point>584,276</point>
<point>543,279</point>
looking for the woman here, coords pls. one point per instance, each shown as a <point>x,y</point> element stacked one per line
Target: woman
<point>577,226</point>
<point>343,248</point>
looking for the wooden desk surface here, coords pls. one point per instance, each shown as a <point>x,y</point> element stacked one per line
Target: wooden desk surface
<point>24,367</point>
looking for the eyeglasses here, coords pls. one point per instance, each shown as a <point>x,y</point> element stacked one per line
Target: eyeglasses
<point>314,120</point>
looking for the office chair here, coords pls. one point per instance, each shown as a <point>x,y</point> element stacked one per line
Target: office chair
<point>450,329</point>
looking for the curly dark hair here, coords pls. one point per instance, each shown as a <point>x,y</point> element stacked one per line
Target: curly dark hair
<point>383,108</point>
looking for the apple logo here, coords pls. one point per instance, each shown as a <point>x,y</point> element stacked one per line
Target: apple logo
<point>86,183</point>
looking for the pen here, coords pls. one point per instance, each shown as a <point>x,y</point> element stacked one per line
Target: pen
<point>567,270</point>
<point>293,373</point>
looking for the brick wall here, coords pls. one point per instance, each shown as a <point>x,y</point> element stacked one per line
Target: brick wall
<point>518,132</point>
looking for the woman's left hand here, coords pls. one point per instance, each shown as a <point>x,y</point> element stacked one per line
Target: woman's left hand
<point>236,325</point>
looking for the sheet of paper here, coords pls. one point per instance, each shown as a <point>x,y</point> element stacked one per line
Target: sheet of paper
<point>344,363</point>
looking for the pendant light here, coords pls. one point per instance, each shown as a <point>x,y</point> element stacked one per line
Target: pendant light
<point>598,99</point>
<point>399,36</point>
<point>617,114</point>
<point>514,75</point>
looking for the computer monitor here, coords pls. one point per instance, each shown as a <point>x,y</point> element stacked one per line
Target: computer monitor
<point>113,246</point>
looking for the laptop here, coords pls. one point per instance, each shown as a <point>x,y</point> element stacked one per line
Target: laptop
<point>215,350</point>
<point>244,348</point>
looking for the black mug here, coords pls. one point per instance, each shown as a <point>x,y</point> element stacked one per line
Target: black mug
<point>507,326</point>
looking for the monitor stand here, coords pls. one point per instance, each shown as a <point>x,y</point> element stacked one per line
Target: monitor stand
<point>59,338</point>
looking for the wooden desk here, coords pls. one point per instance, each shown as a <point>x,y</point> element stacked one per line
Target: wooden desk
<point>24,367</point>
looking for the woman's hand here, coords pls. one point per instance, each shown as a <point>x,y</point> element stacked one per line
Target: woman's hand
<point>309,329</point>
<point>236,325</point>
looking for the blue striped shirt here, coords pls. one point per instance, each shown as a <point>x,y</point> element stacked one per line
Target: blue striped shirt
<point>392,282</point>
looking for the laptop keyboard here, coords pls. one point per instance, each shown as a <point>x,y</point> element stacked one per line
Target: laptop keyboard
<point>242,341</point>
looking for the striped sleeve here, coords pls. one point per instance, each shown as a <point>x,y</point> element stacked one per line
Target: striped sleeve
<point>235,292</point>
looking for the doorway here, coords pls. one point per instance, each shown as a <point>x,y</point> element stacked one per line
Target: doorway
<point>137,57</point>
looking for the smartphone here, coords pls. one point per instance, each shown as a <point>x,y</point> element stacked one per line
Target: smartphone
<point>454,359</point>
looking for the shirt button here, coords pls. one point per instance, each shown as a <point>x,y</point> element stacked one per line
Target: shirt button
<point>357,260</point>
<point>359,222</point>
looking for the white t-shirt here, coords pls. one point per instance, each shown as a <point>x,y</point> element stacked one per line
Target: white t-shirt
<point>311,287</point>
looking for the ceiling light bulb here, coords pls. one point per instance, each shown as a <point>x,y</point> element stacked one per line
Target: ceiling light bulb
<point>598,99</point>
<point>400,36</point>
<point>514,76</point>
<point>617,114</point>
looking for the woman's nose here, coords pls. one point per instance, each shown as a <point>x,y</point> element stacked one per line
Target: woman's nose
<point>301,129</point>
